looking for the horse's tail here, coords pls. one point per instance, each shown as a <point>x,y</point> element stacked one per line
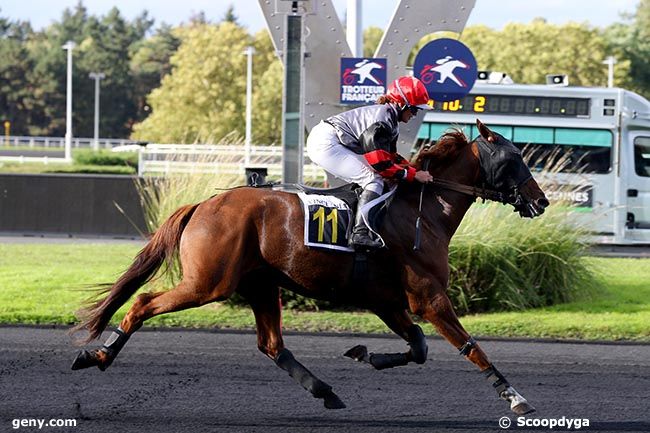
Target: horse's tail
<point>162,247</point>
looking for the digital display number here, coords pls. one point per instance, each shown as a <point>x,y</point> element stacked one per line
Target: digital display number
<point>516,105</point>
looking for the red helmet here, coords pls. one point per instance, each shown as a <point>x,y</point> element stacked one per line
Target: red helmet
<point>409,91</point>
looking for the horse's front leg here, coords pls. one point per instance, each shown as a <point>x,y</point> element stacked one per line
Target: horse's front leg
<point>264,299</point>
<point>440,312</point>
<point>399,322</point>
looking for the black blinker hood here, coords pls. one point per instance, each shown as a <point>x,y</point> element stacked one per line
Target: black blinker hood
<point>502,166</point>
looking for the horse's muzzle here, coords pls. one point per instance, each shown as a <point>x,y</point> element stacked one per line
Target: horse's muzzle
<point>533,208</point>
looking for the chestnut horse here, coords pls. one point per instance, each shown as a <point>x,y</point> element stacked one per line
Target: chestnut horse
<point>250,241</point>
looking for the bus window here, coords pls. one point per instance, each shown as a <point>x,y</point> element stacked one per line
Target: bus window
<point>561,149</point>
<point>583,137</point>
<point>423,138</point>
<point>437,129</point>
<point>566,149</point>
<point>530,134</point>
<point>642,156</point>
<point>424,132</point>
<point>506,131</point>
<point>429,133</point>
<point>590,150</point>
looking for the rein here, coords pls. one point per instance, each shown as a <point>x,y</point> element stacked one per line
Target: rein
<point>484,193</point>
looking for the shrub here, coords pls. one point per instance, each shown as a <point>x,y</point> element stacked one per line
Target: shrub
<point>499,261</point>
<point>93,169</point>
<point>105,157</point>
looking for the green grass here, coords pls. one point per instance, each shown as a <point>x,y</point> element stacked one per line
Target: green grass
<point>28,148</point>
<point>85,161</point>
<point>620,309</point>
<point>39,168</point>
<point>45,284</point>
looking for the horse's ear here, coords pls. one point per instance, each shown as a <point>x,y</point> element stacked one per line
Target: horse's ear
<point>485,132</point>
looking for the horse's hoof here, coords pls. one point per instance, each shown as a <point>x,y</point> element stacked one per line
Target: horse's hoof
<point>358,353</point>
<point>84,360</point>
<point>332,401</point>
<point>523,408</point>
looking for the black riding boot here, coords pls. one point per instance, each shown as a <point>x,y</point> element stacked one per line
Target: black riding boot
<point>360,234</point>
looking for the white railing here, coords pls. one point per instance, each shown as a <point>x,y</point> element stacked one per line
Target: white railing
<point>21,159</point>
<point>59,142</point>
<point>160,159</point>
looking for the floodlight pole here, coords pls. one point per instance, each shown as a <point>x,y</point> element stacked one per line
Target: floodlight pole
<point>249,104</point>
<point>69,46</point>
<point>96,76</point>
<point>293,123</point>
<point>610,62</point>
<point>354,29</point>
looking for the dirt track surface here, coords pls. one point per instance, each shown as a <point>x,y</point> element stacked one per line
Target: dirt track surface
<point>193,381</point>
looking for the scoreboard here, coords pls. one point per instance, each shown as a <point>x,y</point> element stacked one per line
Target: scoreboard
<point>517,105</point>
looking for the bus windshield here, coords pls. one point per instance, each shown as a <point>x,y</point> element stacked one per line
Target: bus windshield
<point>560,149</point>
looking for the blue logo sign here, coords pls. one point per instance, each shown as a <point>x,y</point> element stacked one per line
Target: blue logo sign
<point>363,80</point>
<point>447,68</point>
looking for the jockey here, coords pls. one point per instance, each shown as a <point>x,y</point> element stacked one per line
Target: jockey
<point>360,146</point>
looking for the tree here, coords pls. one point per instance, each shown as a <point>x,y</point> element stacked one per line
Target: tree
<point>371,38</point>
<point>150,62</point>
<point>640,48</point>
<point>102,46</point>
<point>527,52</point>
<point>16,98</point>
<point>268,76</point>
<point>33,71</point>
<point>106,47</point>
<point>203,99</point>
<point>618,46</point>
<point>629,42</point>
<point>267,103</point>
<point>229,16</point>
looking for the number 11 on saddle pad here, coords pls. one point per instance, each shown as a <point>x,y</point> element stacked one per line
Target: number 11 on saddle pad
<point>327,222</point>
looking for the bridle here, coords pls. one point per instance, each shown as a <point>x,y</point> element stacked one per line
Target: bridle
<point>483,193</point>
<point>514,198</point>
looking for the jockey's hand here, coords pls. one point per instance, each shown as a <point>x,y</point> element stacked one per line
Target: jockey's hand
<point>423,176</point>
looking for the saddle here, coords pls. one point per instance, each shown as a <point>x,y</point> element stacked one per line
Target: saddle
<point>329,216</point>
<point>330,212</point>
<point>349,193</point>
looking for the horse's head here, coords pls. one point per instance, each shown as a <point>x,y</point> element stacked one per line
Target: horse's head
<point>503,169</point>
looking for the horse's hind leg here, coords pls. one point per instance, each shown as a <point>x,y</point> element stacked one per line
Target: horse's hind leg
<point>399,322</point>
<point>440,313</point>
<point>184,295</point>
<point>265,302</point>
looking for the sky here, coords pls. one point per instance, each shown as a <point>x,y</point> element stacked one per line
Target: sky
<point>493,13</point>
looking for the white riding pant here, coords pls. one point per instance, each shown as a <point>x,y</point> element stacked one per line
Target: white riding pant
<point>325,149</point>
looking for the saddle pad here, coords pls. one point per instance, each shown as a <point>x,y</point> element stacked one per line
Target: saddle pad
<point>327,222</point>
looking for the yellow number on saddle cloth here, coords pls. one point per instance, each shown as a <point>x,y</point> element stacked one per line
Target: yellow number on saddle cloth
<point>327,221</point>
<point>333,216</point>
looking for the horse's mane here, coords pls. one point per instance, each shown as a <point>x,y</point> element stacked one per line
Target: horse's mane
<point>444,151</point>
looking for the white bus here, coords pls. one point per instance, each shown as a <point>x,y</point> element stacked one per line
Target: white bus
<point>606,132</point>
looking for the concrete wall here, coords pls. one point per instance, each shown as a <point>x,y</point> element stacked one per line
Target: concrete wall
<point>74,205</point>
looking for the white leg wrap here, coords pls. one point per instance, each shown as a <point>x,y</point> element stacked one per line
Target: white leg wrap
<point>511,395</point>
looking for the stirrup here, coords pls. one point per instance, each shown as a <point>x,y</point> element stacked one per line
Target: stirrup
<point>362,240</point>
